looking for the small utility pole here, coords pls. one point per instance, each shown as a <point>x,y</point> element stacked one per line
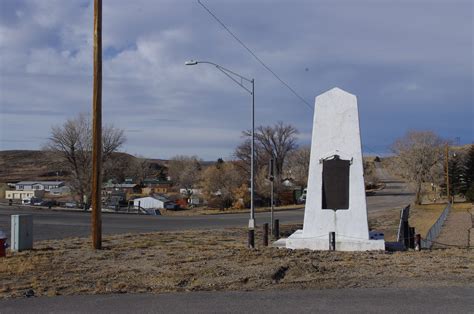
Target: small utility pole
<point>447,173</point>
<point>271,176</point>
<point>97,129</point>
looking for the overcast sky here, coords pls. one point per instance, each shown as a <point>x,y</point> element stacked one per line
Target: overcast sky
<point>410,64</point>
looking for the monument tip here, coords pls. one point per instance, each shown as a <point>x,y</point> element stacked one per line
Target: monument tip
<point>335,92</point>
<point>338,90</point>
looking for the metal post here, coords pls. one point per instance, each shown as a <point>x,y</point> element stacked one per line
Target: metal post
<point>252,162</point>
<point>406,234</point>
<point>412,237</point>
<point>276,229</point>
<point>271,206</point>
<point>97,129</point>
<point>332,241</point>
<point>418,242</point>
<point>251,238</point>
<point>272,178</point>
<point>265,234</point>
<point>447,173</point>
<point>232,75</point>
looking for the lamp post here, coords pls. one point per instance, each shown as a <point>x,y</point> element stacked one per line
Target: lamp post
<point>239,80</point>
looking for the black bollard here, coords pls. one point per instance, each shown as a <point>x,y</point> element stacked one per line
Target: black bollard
<point>276,229</point>
<point>332,241</point>
<point>251,243</point>
<point>412,237</point>
<point>406,234</point>
<point>265,234</point>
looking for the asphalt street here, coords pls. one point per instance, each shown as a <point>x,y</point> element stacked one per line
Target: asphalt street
<point>59,224</point>
<point>386,300</point>
<point>51,224</point>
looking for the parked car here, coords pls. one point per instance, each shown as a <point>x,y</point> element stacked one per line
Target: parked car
<point>302,198</point>
<point>70,205</point>
<point>36,201</point>
<point>48,203</point>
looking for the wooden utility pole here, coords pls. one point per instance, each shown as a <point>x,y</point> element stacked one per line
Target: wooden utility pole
<point>97,129</point>
<point>447,173</point>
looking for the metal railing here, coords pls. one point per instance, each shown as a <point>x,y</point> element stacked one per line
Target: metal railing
<point>435,229</point>
<point>404,214</point>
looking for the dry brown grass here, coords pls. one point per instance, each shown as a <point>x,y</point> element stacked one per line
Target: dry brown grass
<point>386,221</point>
<point>216,260</point>
<point>422,217</point>
<point>213,211</point>
<point>461,207</point>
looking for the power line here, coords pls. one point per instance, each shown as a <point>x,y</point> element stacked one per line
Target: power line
<point>255,56</point>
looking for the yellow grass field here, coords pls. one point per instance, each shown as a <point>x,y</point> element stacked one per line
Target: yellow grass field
<point>214,260</point>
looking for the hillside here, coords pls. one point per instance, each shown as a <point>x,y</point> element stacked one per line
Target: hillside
<point>21,165</point>
<point>18,165</point>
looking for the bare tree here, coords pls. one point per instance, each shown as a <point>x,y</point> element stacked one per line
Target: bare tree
<point>276,142</point>
<point>419,153</point>
<point>297,166</point>
<point>73,142</point>
<point>185,171</point>
<point>141,168</point>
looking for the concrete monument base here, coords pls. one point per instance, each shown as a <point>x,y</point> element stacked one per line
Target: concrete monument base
<point>298,241</point>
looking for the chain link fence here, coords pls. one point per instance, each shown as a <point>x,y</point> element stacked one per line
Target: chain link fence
<point>435,229</point>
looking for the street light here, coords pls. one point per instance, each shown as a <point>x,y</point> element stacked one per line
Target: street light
<point>239,80</point>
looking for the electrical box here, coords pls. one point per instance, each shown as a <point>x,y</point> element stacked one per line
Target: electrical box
<point>22,232</point>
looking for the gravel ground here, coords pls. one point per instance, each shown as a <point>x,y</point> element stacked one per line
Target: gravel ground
<point>215,260</point>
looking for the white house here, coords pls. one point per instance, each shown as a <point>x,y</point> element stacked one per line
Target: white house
<point>38,185</point>
<point>24,194</point>
<point>153,202</point>
<point>64,190</point>
<point>190,191</point>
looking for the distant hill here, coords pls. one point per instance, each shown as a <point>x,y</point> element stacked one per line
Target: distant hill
<point>21,165</point>
<point>18,165</point>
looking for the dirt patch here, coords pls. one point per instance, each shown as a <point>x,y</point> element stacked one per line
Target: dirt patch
<point>216,260</point>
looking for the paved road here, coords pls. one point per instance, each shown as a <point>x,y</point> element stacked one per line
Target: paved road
<point>56,224</point>
<point>388,300</point>
<point>396,194</point>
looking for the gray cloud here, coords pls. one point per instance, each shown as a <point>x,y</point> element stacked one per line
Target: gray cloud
<point>409,62</point>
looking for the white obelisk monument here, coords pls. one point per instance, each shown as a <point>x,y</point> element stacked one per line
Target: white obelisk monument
<point>335,201</point>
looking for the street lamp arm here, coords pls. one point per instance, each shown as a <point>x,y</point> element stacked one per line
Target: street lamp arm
<point>229,73</point>
<point>233,79</point>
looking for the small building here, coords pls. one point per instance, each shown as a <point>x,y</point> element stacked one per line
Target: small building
<point>24,194</point>
<point>158,186</point>
<point>194,200</point>
<point>63,190</point>
<point>38,185</point>
<point>190,191</point>
<point>153,202</point>
<point>127,188</point>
